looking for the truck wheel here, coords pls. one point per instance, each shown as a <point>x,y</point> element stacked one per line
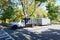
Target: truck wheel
<point>14,27</point>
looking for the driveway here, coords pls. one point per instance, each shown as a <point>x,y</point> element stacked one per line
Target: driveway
<point>51,32</point>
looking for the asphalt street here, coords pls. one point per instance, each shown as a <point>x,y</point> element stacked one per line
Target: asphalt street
<point>51,32</point>
<point>4,35</point>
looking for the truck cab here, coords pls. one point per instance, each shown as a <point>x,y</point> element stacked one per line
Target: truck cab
<point>15,25</point>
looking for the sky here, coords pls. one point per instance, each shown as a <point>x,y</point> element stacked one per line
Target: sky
<point>58,2</point>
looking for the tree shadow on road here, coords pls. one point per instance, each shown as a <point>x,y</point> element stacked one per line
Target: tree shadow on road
<point>23,34</point>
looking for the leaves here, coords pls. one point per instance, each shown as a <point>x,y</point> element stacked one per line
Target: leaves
<point>41,0</point>
<point>7,10</point>
<point>52,10</point>
<point>17,14</point>
<point>39,13</point>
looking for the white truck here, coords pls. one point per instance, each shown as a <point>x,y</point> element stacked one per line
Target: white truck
<point>15,25</point>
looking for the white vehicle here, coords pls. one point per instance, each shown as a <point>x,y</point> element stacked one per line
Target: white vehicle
<point>40,21</point>
<point>43,21</point>
<point>31,22</point>
<point>17,24</point>
<point>20,23</point>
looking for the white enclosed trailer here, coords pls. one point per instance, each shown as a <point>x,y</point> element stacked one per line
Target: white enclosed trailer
<point>39,21</point>
<point>43,21</point>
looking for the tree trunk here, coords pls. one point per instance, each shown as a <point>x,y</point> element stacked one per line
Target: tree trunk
<point>36,5</point>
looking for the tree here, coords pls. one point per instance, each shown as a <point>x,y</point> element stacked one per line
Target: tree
<point>30,9</point>
<point>17,14</point>
<point>58,10</point>
<point>39,13</point>
<point>52,10</point>
<point>25,4</point>
<point>8,13</point>
<point>7,9</point>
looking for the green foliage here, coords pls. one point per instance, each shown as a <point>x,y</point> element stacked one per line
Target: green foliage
<point>7,14</point>
<point>30,9</point>
<point>39,13</point>
<point>53,16</point>
<point>41,0</point>
<point>18,15</point>
<point>52,10</point>
<point>50,5</point>
<point>23,2</point>
<point>7,10</point>
<point>58,10</point>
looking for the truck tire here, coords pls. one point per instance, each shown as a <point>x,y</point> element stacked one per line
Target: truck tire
<point>14,27</point>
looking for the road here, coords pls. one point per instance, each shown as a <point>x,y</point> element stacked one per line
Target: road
<point>51,32</point>
<point>4,35</point>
